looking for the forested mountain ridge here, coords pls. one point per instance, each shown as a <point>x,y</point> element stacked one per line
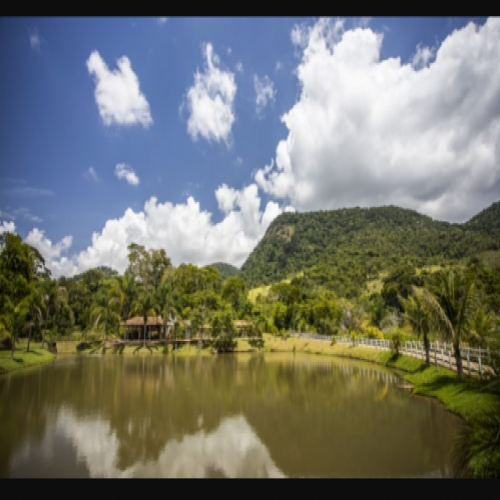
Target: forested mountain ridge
<point>226,270</point>
<point>354,245</point>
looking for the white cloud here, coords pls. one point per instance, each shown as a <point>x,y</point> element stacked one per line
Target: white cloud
<point>162,20</point>
<point>368,131</point>
<point>35,40</point>
<point>264,92</point>
<point>363,22</point>
<point>423,56</point>
<point>117,94</point>
<point>24,191</point>
<point>210,101</point>
<point>123,171</point>
<point>21,213</point>
<point>58,263</point>
<point>91,175</point>
<point>239,67</point>
<point>7,227</point>
<point>186,232</point>
<point>233,449</point>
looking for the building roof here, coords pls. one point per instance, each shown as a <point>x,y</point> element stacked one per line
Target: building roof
<point>152,321</point>
<point>242,323</point>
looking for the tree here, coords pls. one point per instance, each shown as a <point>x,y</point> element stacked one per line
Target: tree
<point>14,318</point>
<point>418,318</point>
<point>105,309</point>
<point>234,292</point>
<point>54,297</point>
<point>451,306</point>
<point>482,328</point>
<point>34,301</point>
<point>147,267</point>
<point>145,306</point>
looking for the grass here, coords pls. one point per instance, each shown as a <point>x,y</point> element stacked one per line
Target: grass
<point>23,359</point>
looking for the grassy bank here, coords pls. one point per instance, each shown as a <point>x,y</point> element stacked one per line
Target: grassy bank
<point>468,398</point>
<point>23,359</point>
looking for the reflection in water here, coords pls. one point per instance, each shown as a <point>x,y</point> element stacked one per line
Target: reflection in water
<point>232,416</point>
<point>233,450</point>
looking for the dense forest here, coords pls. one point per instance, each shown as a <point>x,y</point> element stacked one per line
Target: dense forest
<point>345,249</point>
<point>226,270</point>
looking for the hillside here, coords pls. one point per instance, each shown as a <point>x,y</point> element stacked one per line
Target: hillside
<point>344,248</point>
<point>226,270</point>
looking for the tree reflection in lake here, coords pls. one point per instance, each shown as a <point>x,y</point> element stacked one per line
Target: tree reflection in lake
<point>231,416</point>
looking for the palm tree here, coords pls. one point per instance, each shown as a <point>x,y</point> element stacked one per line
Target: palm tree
<point>125,289</point>
<point>482,328</point>
<point>418,317</point>
<point>145,306</point>
<point>451,306</point>
<point>13,319</point>
<point>53,297</point>
<point>105,309</point>
<point>35,312</point>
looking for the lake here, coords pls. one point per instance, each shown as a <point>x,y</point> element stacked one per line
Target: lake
<point>273,415</point>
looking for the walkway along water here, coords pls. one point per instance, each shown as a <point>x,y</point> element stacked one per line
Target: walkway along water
<point>476,361</point>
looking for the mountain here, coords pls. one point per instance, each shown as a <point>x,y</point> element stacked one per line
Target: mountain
<point>226,270</point>
<point>345,248</point>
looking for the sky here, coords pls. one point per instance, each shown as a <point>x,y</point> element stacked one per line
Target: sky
<point>194,134</point>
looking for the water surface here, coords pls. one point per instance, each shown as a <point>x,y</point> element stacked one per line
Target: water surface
<point>232,416</point>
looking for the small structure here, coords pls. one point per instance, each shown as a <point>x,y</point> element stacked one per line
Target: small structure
<point>244,328</point>
<point>156,329</point>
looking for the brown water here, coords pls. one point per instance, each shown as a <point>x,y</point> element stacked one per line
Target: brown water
<point>232,416</point>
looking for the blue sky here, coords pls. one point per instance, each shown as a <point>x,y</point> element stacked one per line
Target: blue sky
<point>53,131</point>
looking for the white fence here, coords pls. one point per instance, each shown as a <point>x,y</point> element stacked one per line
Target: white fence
<point>474,360</point>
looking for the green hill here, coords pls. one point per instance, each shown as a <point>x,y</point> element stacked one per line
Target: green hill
<point>226,270</point>
<point>346,248</point>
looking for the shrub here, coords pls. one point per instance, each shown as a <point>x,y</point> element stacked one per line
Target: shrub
<point>224,343</point>
<point>373,332</point>
<point>396,343</point>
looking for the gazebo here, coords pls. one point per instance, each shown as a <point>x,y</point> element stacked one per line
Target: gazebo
<point>134,328</point>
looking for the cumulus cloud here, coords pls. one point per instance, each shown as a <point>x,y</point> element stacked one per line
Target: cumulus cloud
<point>210,101</point>
<point>7,227</point>
<point>117,93</point>
<point>423,56</point>
<point>123,171</point>
<point>91,175</point>
<point>265,92</point>
<point>53,254</point>
<point>187,233</point>
<point>370,131</point>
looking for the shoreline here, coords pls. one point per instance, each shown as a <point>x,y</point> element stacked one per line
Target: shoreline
<point>467,398</point>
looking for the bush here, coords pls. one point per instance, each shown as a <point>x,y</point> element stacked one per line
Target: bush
<point>334,341</point>
<point>373,332</point>
<point>224,343</point>
<point>257,342</point>
<point>396,343</point>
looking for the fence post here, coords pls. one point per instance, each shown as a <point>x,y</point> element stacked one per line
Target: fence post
<point>449,360</point>
<point>480,365</point>
<point>435,357</point>
<point>468,360</point>
<point>489,356</point>
<point>442,357</point>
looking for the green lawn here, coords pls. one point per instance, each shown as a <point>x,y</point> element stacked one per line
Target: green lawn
<point>23,359</point>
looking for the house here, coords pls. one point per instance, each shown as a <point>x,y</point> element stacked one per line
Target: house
<point>155,328</point>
